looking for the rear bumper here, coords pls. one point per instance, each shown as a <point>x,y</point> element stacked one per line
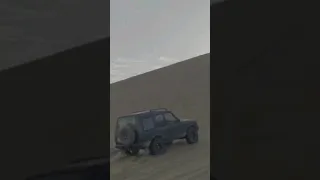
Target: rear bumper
<point>121,147</point>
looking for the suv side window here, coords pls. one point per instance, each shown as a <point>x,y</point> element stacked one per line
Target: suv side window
<point>159,120</point>
<point>147,123</point>
<point>170,118</point>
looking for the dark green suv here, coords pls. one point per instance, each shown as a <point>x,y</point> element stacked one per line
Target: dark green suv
<point>154,130</point>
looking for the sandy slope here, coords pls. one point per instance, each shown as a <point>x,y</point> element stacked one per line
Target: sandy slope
<point>185,89</point>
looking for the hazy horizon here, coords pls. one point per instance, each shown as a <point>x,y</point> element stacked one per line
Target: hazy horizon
<point>147,35</point>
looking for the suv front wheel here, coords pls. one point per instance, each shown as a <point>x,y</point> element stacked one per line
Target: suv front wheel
<point>192,135</point>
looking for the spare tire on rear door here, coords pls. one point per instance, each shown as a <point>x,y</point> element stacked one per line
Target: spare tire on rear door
<point>126,135</point>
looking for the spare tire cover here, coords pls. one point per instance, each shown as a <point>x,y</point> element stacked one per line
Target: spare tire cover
<point>126,135</point>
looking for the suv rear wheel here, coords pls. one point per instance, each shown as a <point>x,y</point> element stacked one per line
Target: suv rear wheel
<point>157,146</point>
<point>132,151</point>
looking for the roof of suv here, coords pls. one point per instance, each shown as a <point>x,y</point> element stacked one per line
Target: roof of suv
<point>150,111</point>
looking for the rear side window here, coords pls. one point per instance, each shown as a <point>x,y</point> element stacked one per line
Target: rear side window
<point>159,120</point>
<point>147,123</point>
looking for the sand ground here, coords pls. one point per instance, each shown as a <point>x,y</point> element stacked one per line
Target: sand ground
<point>183,88</point>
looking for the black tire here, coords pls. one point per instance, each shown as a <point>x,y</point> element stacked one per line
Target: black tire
<point>127,136</point>
<point>192,135</point>
<point>169,143</point>
<point>132,151</point>
<point>157,147</point>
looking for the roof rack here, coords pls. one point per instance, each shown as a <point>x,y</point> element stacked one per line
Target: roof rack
<point>159,109</point>
<point>150,110</point>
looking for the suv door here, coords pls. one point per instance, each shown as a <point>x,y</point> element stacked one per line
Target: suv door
<point>148,128</point>
<point>173,125</point>
<point>161,127</point>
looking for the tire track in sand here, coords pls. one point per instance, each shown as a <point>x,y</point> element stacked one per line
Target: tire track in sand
<point>182,161</point>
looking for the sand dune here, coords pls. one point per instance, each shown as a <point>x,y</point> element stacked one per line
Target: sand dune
<point>184,88</point>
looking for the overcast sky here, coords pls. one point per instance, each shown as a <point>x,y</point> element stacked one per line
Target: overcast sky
<point>147,35</point>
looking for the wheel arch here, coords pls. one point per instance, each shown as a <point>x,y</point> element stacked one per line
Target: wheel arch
<point>157,136</point>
